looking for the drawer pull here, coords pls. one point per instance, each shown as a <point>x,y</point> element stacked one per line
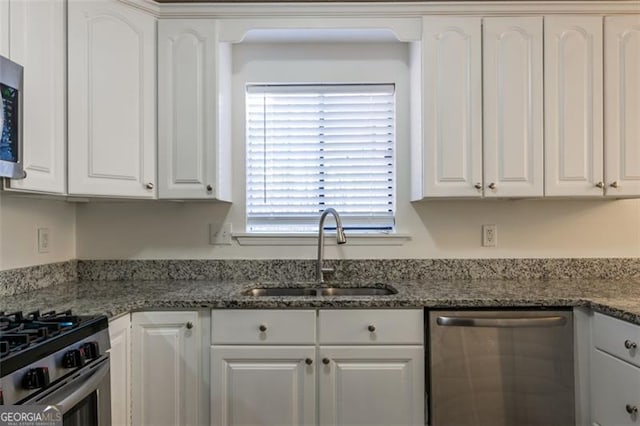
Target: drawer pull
<point>631,409</point>
<point>262,328</point>
<point>630,345</point>
<point>189,325</point>
<point>308,361</point>
<point>326,361</point>
<point>371,328</point>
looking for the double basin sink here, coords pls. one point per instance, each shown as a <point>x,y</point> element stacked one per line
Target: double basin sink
<point>321,291</point>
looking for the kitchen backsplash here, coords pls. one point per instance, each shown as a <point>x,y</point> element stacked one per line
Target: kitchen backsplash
<point>19,280</point>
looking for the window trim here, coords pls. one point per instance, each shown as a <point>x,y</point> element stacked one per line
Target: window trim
<point>311,239</point>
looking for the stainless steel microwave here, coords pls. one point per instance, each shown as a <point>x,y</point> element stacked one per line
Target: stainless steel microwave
<point>11,89</point>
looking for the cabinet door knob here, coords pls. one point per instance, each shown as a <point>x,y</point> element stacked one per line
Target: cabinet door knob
<point>478,185</point>
<point>326,361</point>
<point>630,345</point>
<point>600,185</point>
<point>308,361</point>
<point>614,184</point>
<point>149,185</point>
<point>189,325</point>
<point>209,188</point>
<point>631,409</point>
<point>492,185</point>
<point>262,328</point>
<point>371,328</point>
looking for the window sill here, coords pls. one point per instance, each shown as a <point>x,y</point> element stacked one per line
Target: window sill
<point>266,239</point>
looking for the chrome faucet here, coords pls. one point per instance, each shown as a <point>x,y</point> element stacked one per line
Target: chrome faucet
<point>340,239</point>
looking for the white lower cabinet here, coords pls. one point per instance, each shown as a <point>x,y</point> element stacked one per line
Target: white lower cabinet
<point>615,372</point>
<point>166,370</point>
<point>371,385</point>
<point>263,385</point>
<point>372,381</point>
<point>120,354</point>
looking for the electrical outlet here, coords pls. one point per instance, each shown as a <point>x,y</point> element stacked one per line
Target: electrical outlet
<point>44,240</point>
<point>220,236</point>
<point>489,235</point>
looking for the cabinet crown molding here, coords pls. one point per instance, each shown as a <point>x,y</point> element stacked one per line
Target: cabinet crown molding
<point>363,9</point>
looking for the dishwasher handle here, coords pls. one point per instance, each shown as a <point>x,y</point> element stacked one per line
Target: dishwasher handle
<point>497,322</point>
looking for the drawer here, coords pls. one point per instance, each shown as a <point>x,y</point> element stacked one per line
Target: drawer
<point>263,327</point>
<point>614,385</point>
<point>371,327</point>
<point>617,338</point>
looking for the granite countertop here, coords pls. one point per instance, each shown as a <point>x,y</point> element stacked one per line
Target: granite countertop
<point>619,298</point>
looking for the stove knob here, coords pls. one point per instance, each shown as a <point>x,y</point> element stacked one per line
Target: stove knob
<point>73,358</point>
<point>91,350</point>
<point>36,378</point>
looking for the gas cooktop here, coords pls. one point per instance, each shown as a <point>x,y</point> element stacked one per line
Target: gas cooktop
<point>25,338</point>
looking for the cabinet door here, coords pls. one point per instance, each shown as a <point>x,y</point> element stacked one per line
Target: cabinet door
<point>513,144</point>
<point>120,337</point>
<point>573,106</point>
<point>38,42</point>
<point>371,385</point>
<point>451,163</point>
<point>263,385</point>
<point>615,386</point>
<point>112,103</point>
<point>190,149</point>
<point>167,375</point>
<point>622,105</point>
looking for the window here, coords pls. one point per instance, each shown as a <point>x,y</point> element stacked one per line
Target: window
<point>310,147</point>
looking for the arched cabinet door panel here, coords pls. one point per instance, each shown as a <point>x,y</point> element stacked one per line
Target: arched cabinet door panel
<point>112,100</point>
<point>573,106</point>
<point>447,149</point>
<point>193,134</point>
<point>622,105</point>
<point>513,115</point>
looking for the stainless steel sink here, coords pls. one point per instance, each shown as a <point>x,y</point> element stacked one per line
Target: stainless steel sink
<point>282,291</point>
<point>358,291</point>
<point>327,291</point>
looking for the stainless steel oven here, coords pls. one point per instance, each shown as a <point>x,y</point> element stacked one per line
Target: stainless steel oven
<point>57,359</point>
<point>84,397</point>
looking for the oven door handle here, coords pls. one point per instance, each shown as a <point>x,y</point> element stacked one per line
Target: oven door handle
<point>82,385</point>
<point>88,386</point>
<point>522,322</point>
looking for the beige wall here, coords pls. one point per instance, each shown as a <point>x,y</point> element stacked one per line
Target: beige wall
<point>439,229</point>
<point>20,218</point>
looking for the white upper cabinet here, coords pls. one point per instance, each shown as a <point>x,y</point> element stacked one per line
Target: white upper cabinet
<point>622,105</point>
<point>193,137</point>
<point>112,102</point>
<point>573,106</point>
<point>448,150</point>
<point>513,110</point>
<point>37,41</point>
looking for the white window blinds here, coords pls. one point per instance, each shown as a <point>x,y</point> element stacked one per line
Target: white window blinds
<point>310,147</point>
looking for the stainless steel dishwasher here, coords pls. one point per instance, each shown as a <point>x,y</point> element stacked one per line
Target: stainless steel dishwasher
<point>501,368</point>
